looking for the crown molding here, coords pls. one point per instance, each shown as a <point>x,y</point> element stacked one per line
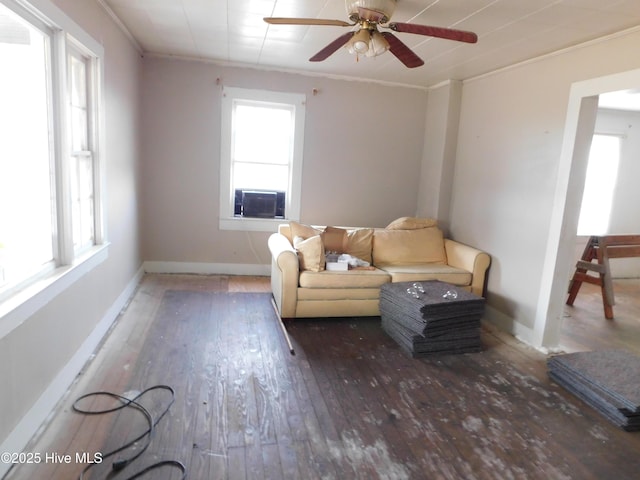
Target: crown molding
<point>266,68</point>
<point>555,53</point>
<point>121,26</point>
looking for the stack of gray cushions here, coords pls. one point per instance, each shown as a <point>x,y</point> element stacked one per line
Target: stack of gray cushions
<point>608,381</point>
<point>431,323</point>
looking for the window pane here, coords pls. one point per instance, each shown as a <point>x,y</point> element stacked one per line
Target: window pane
<point>82,196</point>
<point>600,183</point>
<point>262,134</point>
<point>78,102</point>
<point>78,129</point>
<point>26,205</point>
<point>78,81</point>
<point>81,167</point>
<point>260,177</point>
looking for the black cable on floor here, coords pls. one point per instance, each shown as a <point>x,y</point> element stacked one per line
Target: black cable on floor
<point>132,403</point>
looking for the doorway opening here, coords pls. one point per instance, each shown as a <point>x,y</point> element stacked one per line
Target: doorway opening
<point>560,254</point>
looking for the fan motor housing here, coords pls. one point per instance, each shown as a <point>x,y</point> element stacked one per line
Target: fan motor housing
<point>384,7</point>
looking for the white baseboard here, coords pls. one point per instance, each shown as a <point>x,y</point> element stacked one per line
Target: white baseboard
<point>207,268</point>
<point>508,324</point>
<point>38,413</point>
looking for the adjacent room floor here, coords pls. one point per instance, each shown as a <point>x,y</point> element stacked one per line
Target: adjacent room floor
<point>586,328</point>
<point>348,404</point>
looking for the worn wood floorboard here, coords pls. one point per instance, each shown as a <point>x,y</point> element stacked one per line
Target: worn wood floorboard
<point>349,405</point>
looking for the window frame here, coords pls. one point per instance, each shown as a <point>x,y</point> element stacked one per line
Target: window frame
<point>230,95</point>
<point>26,297</point>
<point>93,87</point>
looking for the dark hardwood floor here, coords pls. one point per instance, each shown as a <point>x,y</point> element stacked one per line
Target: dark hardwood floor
<point>348,405</point>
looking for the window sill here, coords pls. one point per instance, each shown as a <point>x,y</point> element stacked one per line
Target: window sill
<point>19,307</point>
<point>251,224</point>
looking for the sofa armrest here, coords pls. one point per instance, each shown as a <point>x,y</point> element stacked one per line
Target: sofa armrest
<point>285,271</point>
<point>471,259</point>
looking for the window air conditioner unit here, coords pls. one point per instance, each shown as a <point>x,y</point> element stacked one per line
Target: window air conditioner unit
<point>259,203</point>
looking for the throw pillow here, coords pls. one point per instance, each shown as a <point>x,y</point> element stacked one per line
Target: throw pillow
<point>310,253</point>
<point>359,243</point>
<point>412,223</point>
<point>302,230</point>
<point>409,247</point>
<point>334,239</point>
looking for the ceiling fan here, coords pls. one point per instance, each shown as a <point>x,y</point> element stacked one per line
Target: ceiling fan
<point>367,40</point>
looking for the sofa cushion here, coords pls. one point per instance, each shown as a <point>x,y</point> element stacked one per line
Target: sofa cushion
<point>344,279</point>
<point>408,247</point>
<point>310,253</point>
<point>412,223</point>
<point>334,294</point>
<point>417,273</point>
<point>359,243</point>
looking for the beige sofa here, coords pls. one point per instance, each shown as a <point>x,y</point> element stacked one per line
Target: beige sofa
<point>409,249</point>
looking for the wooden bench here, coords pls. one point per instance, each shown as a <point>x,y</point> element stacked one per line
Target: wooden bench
<point>602,248</point>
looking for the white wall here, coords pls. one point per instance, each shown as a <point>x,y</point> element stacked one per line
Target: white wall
<point>439,154</point>
<point>38,352</point>
<point>509,146</point>
<point>362,152</point>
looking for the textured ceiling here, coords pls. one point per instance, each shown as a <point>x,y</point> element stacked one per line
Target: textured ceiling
<point>233,31</point>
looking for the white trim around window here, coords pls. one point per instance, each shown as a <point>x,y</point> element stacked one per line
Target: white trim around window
<point>19,301</point>
<point>230,96</point>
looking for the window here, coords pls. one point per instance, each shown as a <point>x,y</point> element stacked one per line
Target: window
<point>48,164</point>
<point>81,160</point>
<point>261,158</point>
<point>600,183</point>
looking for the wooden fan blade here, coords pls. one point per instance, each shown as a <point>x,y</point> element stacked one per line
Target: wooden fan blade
<point>305,21</point>
<point>332,47</point>
<point>448,33</point>
<point>400,50</point>
<point>371,15</point>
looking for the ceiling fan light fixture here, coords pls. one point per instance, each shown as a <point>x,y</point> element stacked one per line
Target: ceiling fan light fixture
<point>385,7</point>
<point>378,44</point>
<point>359,42</point>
